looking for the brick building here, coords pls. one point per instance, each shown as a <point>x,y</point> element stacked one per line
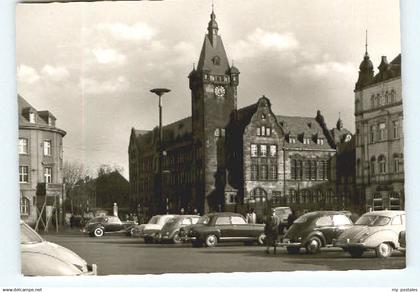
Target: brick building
<point>40,159</point>
<point>225,158</point>
<point>379,134</point>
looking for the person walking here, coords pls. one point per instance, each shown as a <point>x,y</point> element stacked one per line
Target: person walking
<point>271,230</point>
<point>291,218</point>
<point>251,217</point>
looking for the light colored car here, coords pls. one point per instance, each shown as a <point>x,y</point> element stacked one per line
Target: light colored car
<point>43,258</point>
<point>377,230</point>
<point>149,231</point>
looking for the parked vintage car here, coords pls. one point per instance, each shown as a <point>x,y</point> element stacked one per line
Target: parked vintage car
<point>170,231</point>
<point>401,241</point>
<point>218,227</point>
<point>148,231</point>
<point>42,258</point>
<point>315,230</point>
<point>98,226</point>
<point>377,230</point>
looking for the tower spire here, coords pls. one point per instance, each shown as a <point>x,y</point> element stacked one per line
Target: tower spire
<point>366,44</point>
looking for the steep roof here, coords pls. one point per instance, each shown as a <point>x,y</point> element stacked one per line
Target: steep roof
<point>388,70</point>
<point>208,52</point>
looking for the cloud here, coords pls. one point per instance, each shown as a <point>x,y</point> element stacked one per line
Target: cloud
<point>260,41</point>
<point>96,87</point>
<point>55,74</point>
<point>136,32</point>
<point>27,74</point>
<point>107,56</point>
<point>328,68</point>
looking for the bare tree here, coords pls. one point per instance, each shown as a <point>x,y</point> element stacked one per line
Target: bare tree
<point>73,173</point>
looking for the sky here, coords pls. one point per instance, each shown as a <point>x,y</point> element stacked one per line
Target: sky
<point>92,64</point>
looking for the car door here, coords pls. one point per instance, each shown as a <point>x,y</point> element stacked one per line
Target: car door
<point>325,225</point>
<point>240,228</point>
<point>114,224</point>
<point>341,223</point>
<point>224,225</point>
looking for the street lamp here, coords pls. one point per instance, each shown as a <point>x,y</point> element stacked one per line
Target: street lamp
<point>159,92</point>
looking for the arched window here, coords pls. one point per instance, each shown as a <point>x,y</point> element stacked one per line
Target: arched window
<point>258,195</point>
<point>393,96</point>
<point>24,206</point>
<point>398,162</point>
<point>372,165</point>
<point>378,100</point>
<point>387,97</point>
<point>292,195</point>
<point>382,164</point>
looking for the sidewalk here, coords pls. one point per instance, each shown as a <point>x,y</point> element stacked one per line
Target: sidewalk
<point>62,230</point>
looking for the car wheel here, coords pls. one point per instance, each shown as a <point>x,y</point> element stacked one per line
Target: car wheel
<point>293,249</point>
<point>98,232</point>
<point>261,239</point>
<point>177,239</point>
<point>211,240</point>
<point>356,252</point>
<point>383,250</point>
<point>197,243</point>
<point>313,245</point>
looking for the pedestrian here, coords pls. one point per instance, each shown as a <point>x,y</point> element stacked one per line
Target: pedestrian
<point>271,230</point>
<point>251,217</point>
<point>291,218</point>
<point>72,220</point>
<point>182,211</point>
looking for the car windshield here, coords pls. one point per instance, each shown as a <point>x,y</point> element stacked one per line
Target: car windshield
<point>97,219</point>
<point>373,220</point>
<point>204,220</point>
<point>154,220</point>
<point>302,219</point>
<point>27,235</point>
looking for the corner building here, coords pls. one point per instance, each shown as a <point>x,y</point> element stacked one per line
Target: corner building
<point>224,158</point>
<point>379,134</point>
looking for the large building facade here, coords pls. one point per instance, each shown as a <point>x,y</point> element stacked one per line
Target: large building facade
<point>40,159</point>
<point>225,158</point>
<point>379,134</point>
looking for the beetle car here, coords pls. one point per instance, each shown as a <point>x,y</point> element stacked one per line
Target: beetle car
<point>315,230</point>
<point>218,227</point>
<point>98,226</point>
<point>149,231</point>
<point>170,231</point>
<point>43,258</point>
<point>377,230</point>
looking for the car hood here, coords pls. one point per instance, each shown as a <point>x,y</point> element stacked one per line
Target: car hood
<point>150,226</point>
<point>357,231</point>
<point>56,251</point>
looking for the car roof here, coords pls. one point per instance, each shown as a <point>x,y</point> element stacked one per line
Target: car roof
<point>186,216</point>
<point>386,212</point>
<point>323,213</point>
<point>223,214</point>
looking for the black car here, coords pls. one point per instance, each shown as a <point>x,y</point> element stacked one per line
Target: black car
<point>98,226</point>
<point>225,226</point>
<point>315,230</point>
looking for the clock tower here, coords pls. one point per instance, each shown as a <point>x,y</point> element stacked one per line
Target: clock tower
<point>213,87</point>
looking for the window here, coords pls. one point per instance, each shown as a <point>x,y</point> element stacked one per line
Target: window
<point>378,100</point>
<point>306,141</point>
<point>273,150</point>
<point>222,221</point>
<point>340,220</point>
<point>393,96</point>
<point>292,194</point>
<point>372,101</point>
<point>395,129</point>
<point>372,133</point>
<point>23,174</point>
<point>217,132</point>
<point>382,130</point>
<point>372,166</point>
<point>398,163</point>
<point>50,121</point>
<point>258,131</point>
<point>48,174</point>
<point>263,117</point>
<point>263,131</point>
<point>237,220</point>
<point>263,150</point>
<point>254,172</point>
<point>382,164</point>
<point>231,198</point>
<point>263,172</point>
<point>268,131</point>
<point>186,221</point>
<point>292,140</point>
<point>47,148</point>
<point>273,172</point>
<point>23,146</point>
<point>24,206</point>
<point>254,150</point>
<point>32,117</point>
<point>320,141</point>
<point>324,221</point>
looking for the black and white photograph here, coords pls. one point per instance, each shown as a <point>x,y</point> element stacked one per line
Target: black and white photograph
<point>200,136</point>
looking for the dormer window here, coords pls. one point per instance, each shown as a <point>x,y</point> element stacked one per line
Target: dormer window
<point>263,131</point>
<point>320,141</point>
<point>306,141</point>
<point>268,131</point>
<point>32,117</point>
<point>216,60</point>
<point>263,117</point>
<point>292,140</point>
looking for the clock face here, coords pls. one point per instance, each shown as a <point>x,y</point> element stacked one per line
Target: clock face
<point>219,91</point>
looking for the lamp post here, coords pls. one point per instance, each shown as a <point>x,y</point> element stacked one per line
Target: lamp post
<point>158,184</point>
